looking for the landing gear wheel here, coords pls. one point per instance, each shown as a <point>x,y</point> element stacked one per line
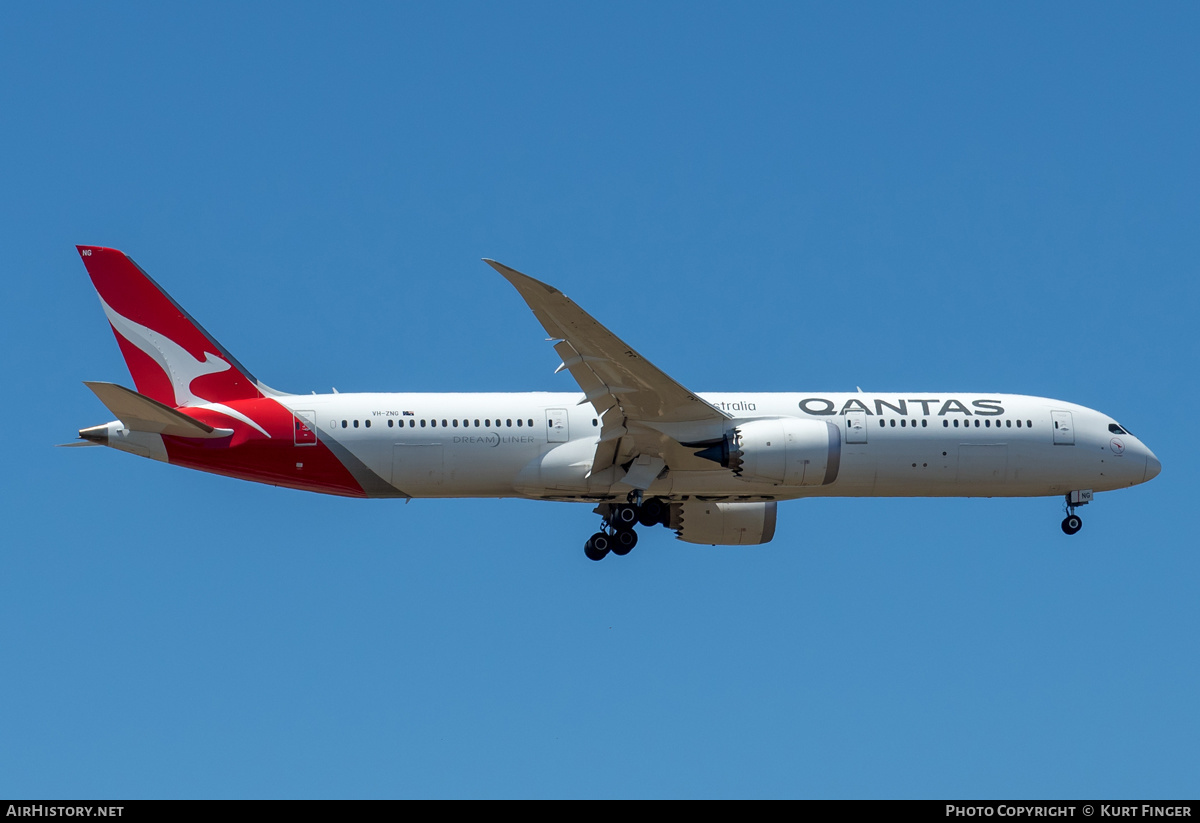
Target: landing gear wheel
<point>598,546</point>
<point>624,516</point>
<point>1072,524</point>
<point>623,542</point>
<point>652,512</point>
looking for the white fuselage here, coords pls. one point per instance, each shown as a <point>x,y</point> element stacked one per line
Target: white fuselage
<point>541,445</point>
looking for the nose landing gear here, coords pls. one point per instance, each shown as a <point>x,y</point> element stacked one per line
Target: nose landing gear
<point>1072,523</point>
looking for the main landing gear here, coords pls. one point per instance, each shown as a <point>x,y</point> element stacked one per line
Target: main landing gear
<point>618,535</point>
<point>1073,522</point>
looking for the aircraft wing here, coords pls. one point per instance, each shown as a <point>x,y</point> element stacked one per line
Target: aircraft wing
<point>608,370</point>
<point>611,374</point>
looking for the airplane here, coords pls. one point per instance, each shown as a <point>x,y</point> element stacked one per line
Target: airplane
<point>644,449</point>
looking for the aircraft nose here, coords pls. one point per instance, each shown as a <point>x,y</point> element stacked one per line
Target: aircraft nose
<point>1153,467</point>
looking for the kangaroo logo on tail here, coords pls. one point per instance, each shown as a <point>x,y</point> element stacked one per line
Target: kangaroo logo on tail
<point>171,357</point>
<point>177,363</point>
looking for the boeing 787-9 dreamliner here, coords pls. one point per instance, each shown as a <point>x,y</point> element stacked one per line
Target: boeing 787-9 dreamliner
<point>640,447</point>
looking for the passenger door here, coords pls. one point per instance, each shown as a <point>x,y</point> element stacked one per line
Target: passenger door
<point>1064,432</point>
<point>856,427</point>
<point>304,428</point>
<point>556,426</point>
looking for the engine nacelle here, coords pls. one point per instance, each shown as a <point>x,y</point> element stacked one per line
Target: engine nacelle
<point>724,524</point>
<point>789,451</point>
<point>783,451</point>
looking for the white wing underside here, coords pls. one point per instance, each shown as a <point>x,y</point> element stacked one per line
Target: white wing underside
<point>643,411</point>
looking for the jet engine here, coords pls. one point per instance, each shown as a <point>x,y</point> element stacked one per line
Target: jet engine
<point>724,524</point>
<point>783,451</point>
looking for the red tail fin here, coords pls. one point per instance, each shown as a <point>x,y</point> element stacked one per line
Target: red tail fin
<point>171,357</point>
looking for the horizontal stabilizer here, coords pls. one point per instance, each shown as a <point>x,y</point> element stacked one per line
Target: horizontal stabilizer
<point>137,412</point>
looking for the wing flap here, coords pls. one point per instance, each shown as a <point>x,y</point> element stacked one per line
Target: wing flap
<point>593,387</point>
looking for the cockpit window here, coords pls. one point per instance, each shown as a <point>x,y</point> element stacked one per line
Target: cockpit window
<point>1115,429</point>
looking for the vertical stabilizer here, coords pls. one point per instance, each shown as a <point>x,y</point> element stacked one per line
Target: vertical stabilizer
<point>171,357</point>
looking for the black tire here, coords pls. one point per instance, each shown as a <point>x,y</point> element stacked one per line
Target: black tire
<point>652,512</point>
<point>598,546</point>
<point>1072,524</point>
<point>623,542</point>
<point>624,516</point>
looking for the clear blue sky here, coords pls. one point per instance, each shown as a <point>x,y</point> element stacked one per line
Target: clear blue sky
<point>787,197</point>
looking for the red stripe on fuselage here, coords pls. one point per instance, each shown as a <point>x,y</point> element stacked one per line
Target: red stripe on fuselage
<point>250,455</point>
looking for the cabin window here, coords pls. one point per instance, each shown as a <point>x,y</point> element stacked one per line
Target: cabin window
<point>1018,424</point>
<point>882,423</point>
<point>344,424</point>
<point>595,422</point>
<point>1029,424</point>
<point>510,423</point>
<point>520,422</point>
<point>531,422</point>
<point>924,424</point>
<point>956,424</point>
<point>945,424</point>
<point>443,422</point>
<point>476,424</point>
<point>367,423</point>
<point>390,422</point>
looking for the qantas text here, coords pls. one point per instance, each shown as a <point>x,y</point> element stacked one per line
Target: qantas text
<point>823,405</point>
